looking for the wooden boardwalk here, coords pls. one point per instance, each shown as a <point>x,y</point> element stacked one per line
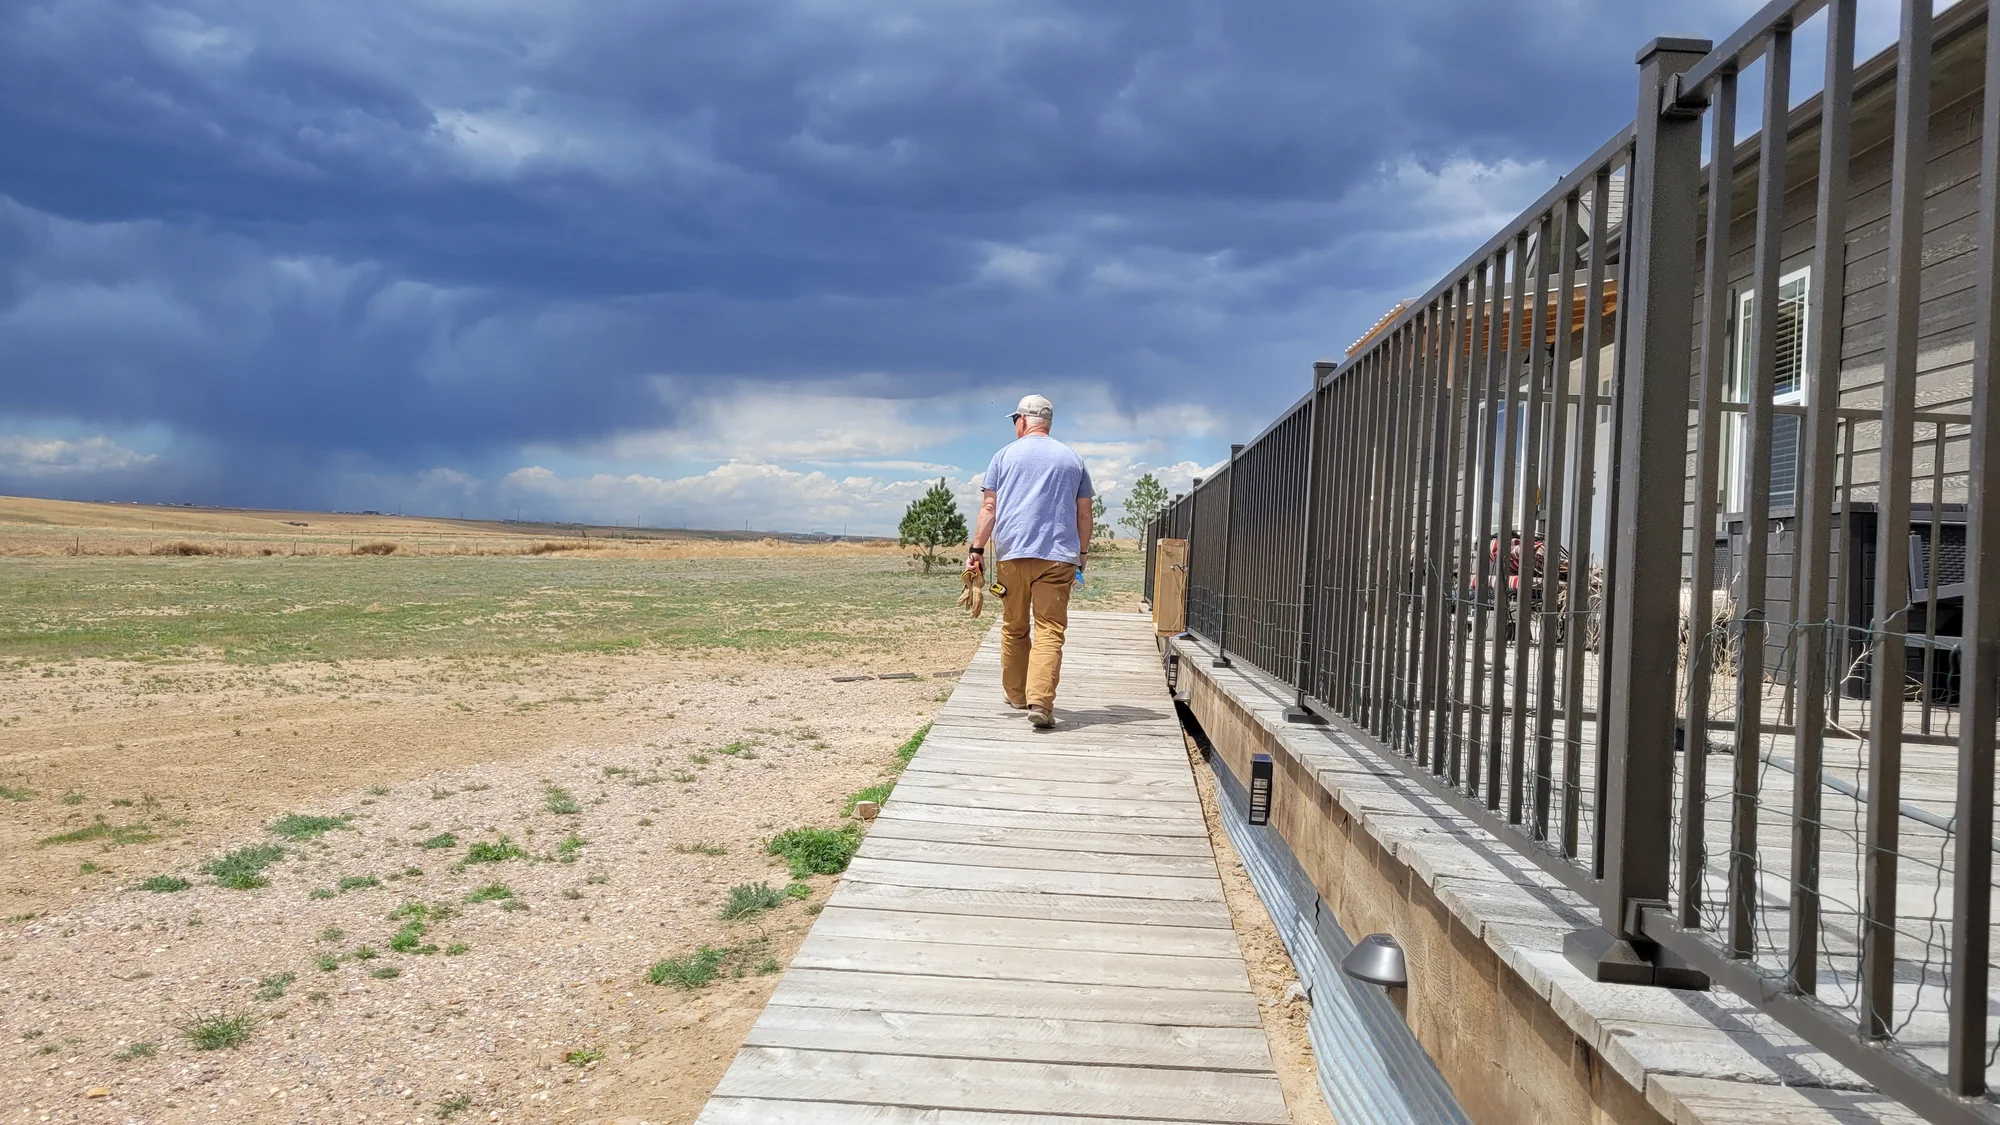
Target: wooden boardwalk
<point>1032,932</point>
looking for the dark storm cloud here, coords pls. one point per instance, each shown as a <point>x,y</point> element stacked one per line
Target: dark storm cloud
<point>398,232</point>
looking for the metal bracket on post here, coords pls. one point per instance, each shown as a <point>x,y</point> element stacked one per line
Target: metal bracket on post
<point>1228,532</point>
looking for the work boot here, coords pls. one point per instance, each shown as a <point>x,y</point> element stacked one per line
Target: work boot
<point>1021,706</point>
<point>1043,717</point>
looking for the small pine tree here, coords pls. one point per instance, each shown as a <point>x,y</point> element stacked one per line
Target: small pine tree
<point>1099,528</point>
<point>932,521</point>
<point>1146,500</point>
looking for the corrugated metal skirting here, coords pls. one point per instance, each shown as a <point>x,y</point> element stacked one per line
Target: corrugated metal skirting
<point>1371,1069</point>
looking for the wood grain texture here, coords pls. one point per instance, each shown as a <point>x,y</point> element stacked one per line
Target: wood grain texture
<point>1032,932</point>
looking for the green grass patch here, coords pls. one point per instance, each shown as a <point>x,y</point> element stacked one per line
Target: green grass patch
<point>699,848</point>
<point>456,948</point>
<point>747,900</point>
<point>386,972</point>
<point>274,986</point>
<point>217,1030</point>
<point>133,1051</point>
<point>99,830</point>
<point>450,1106</point>
<point>582,1056</point>
<point>691,971</point>
<point>11,794</point>
<point>817,851</point>
<point>494,851</point>
<point>560,801</point>
<point>441,840</point>
<point>165,884</point>
<point>326,962</point>
<point>910,746</point>
<point>359,883</point>
<point>298,826</point>
<point>568,850</point>
<point>491,892</point>
<point>875,793</point>
<point>242,869</point>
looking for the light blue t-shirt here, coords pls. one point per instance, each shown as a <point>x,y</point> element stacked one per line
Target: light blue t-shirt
<point>1037,481</point>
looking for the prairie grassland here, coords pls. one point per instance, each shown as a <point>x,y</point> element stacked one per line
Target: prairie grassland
<point>638,725</point>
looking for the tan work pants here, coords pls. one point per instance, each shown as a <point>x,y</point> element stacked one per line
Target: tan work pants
<point>1039,588</point>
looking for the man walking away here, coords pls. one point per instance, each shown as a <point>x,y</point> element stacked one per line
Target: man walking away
<point>1036,514</point>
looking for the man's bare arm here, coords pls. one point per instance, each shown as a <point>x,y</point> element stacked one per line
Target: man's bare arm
<point>1085,524</point>
<point>982,526</point>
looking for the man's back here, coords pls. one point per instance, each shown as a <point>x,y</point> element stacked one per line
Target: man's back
<point>1037,481</point>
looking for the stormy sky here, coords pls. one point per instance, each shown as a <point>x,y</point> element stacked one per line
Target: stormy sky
<point>717,262</point>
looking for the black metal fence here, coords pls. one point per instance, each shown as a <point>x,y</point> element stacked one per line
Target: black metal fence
<point>1634,487</point>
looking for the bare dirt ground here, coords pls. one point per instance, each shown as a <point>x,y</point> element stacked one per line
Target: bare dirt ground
<point>674,761</point>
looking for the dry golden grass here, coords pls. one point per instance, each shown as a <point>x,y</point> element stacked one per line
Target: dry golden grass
<point>33,527</point>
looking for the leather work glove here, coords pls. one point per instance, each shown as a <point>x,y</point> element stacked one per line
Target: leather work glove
<point>973,596</point>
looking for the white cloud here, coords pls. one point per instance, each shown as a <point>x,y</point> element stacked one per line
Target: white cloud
<point>757,424</point>
<point>51,457</point>
<point>736,494</point>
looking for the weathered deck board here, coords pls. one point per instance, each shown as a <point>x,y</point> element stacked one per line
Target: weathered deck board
<point>1033,931</point>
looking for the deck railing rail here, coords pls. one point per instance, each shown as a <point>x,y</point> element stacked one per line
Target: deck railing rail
<point>1478,537</point>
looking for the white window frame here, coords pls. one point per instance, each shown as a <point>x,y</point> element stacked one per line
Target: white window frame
<point>1735,427</point>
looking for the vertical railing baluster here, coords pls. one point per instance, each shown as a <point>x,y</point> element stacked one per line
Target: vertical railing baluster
<point>1309,554</point>
<point>1436,538</point>
<point>1527,521</point>
<point>1715,359</point>
<point>1479,746</point>
<point>1451,524</point>
<point>1967,1000</point>
<point>1580,543</point>
<point>1910,150</point>
<point>1825,318</point>
<point>1549,621</point>
<point>1502,756</point>
<point>1750,611</point>
<point>1228,549</point>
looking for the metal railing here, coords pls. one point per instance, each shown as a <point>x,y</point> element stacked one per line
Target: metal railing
<point>1525,536</point>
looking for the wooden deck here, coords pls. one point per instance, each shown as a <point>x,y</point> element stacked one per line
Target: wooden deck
<point>1032,932</point>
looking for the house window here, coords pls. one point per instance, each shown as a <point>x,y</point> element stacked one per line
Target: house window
<point>1789,388</point>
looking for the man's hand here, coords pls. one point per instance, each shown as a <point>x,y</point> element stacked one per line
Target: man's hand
<point>975,559</point>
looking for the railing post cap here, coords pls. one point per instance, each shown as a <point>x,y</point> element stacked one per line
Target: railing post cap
<point>1324,367</point>
<point>1667,43</point>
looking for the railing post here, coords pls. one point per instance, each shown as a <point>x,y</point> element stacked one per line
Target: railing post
<point>1298,712</point>
<point>1659,240</point>
<point>1228,533</point>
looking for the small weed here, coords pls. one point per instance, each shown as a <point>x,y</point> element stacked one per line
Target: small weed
<point>560,801</point>
<point>491,892</point>
<point>597,879</point>
<point>456,948</point>
<point>457,1103</point>
<point>217,1031</point>
<point>13,794</point>
<point>910,747</point>
<point>798,890</point>
<point>28,917</point>
<point>326,962</point>
<point>122,802</point>
<point>165,884</point>
<point>513,904</point>
<point>817,851</point>
<point>359,882</point>
<point>332,933</point>
<point>768,966</point>
<point>616,771</point>
<point>494,851</point>
<point>87,868</point>
<point>322,892</point>
<point>682,776</point>
<point>72,798</point>
<point>273,987</point>
<point>582,1056</point>
<point>366,953</point>
<point>413,872</point>
<point>875,793</point>
<point>298,826</point>
<point>692,971</point>
<point>699,758</point>
<point>645,822</point>
<point>750,899</point>
<point>441,840</point>
<point>241,869</point>
<point>410,938</point>
<point>572,894</point>
<point>386,972</point>
<point>567,850</point>
<point>438,794</point>
<point>733,748</point>
<point>378,791</point>
<point>318,997</point>
<point>137,1051</point>
<point>116,834</point>
<point>699,848</point>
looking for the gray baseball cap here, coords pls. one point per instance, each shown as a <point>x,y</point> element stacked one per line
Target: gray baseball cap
<point>1035,406</point>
